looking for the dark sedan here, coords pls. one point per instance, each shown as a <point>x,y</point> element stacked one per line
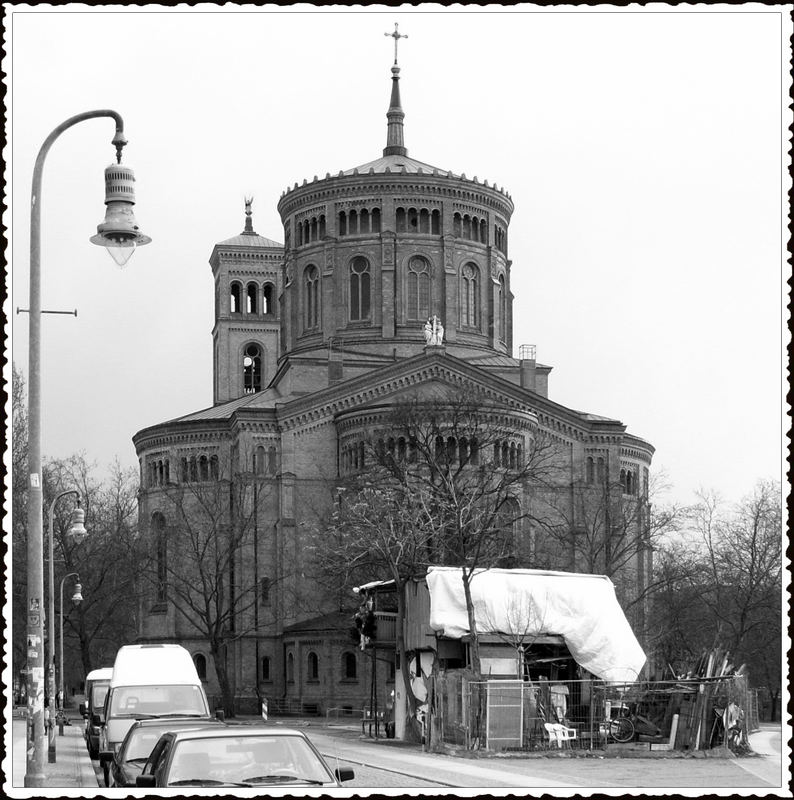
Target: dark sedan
<point>248,756</point>
<point>126,763</point>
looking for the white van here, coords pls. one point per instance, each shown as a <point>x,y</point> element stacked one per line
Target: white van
<point>97,683</point>
<point>150,680</point>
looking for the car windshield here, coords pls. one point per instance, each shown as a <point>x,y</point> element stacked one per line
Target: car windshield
<point>141,742</point>
<point>157,700</point>
<point>98,695</point>
<point>247,759</point>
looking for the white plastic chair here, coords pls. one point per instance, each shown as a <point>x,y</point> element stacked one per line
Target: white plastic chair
<point>564,734</point>
<point>551,730</point>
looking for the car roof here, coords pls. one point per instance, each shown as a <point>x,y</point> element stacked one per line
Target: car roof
<point>237,730</point>
<point>160,721</point>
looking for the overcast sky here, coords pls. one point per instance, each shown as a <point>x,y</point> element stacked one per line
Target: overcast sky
<point>643,150</point>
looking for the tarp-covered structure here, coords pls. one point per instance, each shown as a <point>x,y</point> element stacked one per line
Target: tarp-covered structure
<point>583,609</point>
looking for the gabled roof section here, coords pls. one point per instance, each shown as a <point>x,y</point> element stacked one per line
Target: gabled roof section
<point>336,621</point>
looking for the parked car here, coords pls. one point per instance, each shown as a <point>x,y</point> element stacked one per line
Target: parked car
<point>238,756</point>
<point>149,680</point>
<point>97,683</point>
<point>125,764</point>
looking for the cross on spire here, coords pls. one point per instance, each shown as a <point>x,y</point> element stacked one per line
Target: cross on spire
<point>396,35</point>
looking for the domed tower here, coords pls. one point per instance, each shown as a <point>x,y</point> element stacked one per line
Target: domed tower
<point>372,252</point>
<point>245,336</point>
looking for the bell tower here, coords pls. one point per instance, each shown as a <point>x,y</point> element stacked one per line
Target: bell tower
<point>245,336</point>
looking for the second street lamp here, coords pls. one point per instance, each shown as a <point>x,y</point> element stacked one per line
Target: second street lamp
<point>77,597</point>
<point>117,231</point>
<point>78,531</point>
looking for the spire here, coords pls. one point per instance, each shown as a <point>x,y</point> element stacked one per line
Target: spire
<point>249,227</point>
<point>395,115</point>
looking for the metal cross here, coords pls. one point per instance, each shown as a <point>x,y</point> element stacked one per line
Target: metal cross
<point>396,35</point>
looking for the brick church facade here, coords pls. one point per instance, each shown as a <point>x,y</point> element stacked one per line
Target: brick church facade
<point>313,341</point>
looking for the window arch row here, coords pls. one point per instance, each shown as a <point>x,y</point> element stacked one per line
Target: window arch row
<point>158,472</point>
<point>508,454</point>
<point>266,460</point>
<point>198,467</point>
<point>252,297</point>
<point>470,226</point>
<point>309,230</point>
<point>418,220</point>
<point>359,221</point>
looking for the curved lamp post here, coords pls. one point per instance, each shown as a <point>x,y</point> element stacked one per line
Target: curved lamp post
<point>120,234</point>
<point>77,597</point>
<point>78,532</point>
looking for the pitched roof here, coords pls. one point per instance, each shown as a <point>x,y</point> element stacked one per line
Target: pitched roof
<point>335,621</point>
<point>249,240</point>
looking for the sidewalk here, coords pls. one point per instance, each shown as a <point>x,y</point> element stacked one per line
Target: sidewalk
<point>73,767</point>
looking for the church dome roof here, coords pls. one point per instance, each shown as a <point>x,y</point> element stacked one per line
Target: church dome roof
<point>399,164</point>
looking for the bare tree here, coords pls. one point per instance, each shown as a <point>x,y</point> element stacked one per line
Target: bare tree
<point>723,584</point>
<point>106,560</point>
<point>201,545</point>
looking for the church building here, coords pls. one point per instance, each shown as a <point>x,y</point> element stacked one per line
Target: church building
<point>393,278</point>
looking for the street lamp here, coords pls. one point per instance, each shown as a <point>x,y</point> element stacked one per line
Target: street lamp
<point>120,234</point>
<point>77,597</point>
<point>78,531</point>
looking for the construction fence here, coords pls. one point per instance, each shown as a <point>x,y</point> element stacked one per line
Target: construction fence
<point>514,715</point>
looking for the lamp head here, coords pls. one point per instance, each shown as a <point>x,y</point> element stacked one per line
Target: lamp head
<point>77,525</point>
<point>77,597</point>
<point>119,232</point>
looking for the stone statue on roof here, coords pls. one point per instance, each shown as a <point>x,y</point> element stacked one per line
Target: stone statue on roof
<point>434,331</point>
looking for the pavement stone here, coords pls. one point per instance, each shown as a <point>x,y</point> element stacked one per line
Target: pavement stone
<point>72,768</point>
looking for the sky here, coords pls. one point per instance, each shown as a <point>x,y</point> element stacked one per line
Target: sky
<point>643,147</point>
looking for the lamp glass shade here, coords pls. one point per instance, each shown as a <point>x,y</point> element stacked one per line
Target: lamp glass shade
<point>77,597</point>
<point>121,252</point>
<point>77,525</point>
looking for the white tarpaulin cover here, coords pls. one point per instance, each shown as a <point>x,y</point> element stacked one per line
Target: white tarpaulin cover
<point>581,608</point>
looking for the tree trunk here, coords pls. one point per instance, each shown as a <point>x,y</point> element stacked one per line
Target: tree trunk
<point>227,692</point>
<point>475,640</point>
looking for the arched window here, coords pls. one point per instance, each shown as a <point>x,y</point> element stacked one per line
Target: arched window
<point>418,294</point>
<point>322,226</point>
<point>342,223</point>
<point>400,220</point>
<point>474,449</point>
<point>502,309</point>
<point>201,666</point>
<point>312,299</point>
<point>260,461</point>
<point>466,226</point>
<point>424,221</point>
<point>290,668</point>
<point>589,470</point>
<point>470,296</point>
<point>252,369</point>
<point>483,231</point>
<point>363,221</point>
<point>214,469</point>
<point>204,468</point>
<point>167,472</point>
<point>412,220</point>
<point>272,460</point>
<point>161,549</point>
<point>265,668</point>
<point>352,222</point>
<point>264,591</point>
<point>267,299</point>
<point>193,469</point>
<point>312,667</point>
<point>235,298</point>
<point>456,225</point>
<point>251,293</point>
<point>496,453</point>
<point>623,479</point>
<point>349,666</point>
<point>435,220</point>
<point>359,289</point>
<point>313,229</point>
<point>629,482</point>
<point>601,470</point>
<point>375,220</point>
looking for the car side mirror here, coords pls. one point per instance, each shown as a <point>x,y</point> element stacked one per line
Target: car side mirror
<point>145,780</point>
<point>96,719</point>
<point>105,756</point>
<point>83,710</point>
<point>220,714</point>
<point>344,774</point>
